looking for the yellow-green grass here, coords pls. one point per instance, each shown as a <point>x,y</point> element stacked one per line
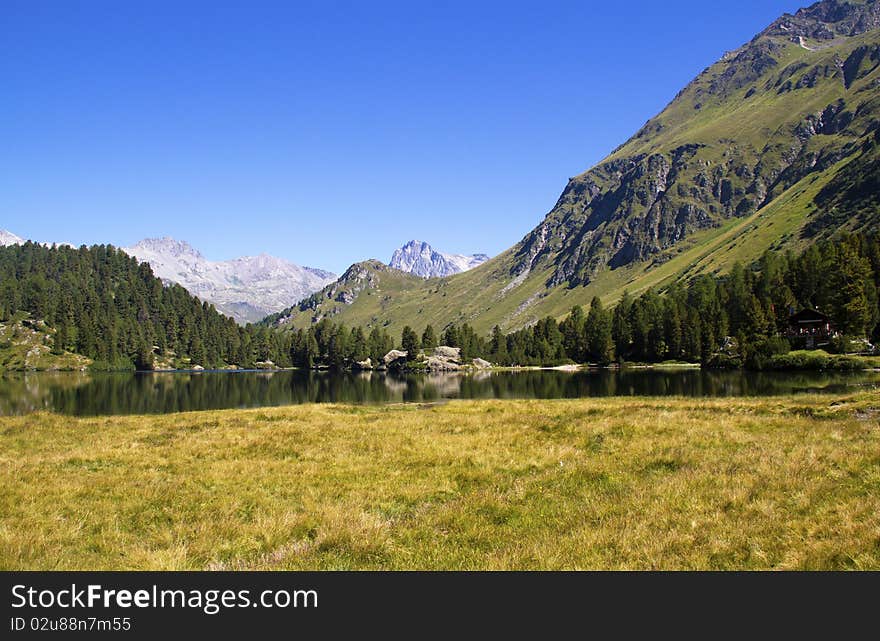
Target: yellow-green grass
<point>774,483</point>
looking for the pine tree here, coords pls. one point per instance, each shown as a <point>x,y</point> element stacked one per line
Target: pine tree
<point>378,344</point>
<point>409,342</point>
<point>597,329</point>
<point>429,338</point>
<point>574,336</point>
<point>499,346</point>
<point>850,300</point>
<point>359,350</point>
<point>451,337</point>
<point>621,331</point>
<point>312,351</point>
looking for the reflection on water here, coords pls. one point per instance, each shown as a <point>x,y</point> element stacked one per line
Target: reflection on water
<point>147,393</point>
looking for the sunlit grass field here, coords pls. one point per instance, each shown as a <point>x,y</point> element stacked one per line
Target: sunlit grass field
<point>774,483</point>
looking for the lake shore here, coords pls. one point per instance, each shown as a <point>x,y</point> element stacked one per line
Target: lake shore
<point>785,482</point>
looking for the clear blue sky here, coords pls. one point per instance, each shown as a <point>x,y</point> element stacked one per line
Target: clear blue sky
<point>330,132</point>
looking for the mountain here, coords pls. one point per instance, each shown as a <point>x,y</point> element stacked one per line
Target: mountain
<point>772,147</point>
<point>246,288</point>
<point>419,258</point>
<point>8,238</point>
<point>361,286</point>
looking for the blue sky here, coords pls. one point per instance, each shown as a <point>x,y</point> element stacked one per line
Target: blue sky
<point>330,132</point>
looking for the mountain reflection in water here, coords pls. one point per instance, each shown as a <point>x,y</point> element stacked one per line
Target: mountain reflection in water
<point>156,393</point>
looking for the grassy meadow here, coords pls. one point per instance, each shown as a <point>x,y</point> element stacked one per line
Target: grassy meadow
<point>616,483</point>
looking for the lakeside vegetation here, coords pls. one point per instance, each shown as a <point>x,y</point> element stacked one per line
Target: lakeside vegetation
<point>101,304</point>
<point>735,320</point>
<point>638,483</point>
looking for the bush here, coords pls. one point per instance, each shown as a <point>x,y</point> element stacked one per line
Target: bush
<point>757,354</point>
<point>724,361</point>
<point>815,360</point>
<point>798,360</point>
<point>120,364</point>
<point>847,344</point>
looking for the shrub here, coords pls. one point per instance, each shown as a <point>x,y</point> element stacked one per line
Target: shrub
<point>759,353</point>
<point>120,364</point>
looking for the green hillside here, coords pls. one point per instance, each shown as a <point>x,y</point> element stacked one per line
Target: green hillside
<point>773,146</point>
<point>97,307</point>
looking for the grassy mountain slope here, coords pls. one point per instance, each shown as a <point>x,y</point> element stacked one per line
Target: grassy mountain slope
<point>771,147</point>
<point>27,344</point>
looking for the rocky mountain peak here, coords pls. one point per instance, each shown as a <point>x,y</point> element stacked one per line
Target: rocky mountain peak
<point>827,20</point>
<point>419,258</point>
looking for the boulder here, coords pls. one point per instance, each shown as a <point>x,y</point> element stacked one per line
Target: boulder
<point>437,364</point>
<point>198,368</point>
<point>392,356</point>
<point>448,353</point>
<point>479,363</point>
<point>365,364</point>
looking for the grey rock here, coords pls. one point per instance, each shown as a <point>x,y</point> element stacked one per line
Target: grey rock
<point>419,258</point>
<point>392,356</point>
<point>448,353</point>
<point>438,364</point>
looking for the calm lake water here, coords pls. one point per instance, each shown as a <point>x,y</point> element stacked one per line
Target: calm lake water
<point>155,393</point>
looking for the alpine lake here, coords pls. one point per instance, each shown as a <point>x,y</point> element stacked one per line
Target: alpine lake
<point>101,394</point>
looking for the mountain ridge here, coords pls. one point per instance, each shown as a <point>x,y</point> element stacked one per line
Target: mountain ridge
<point>731,167</point>
<point>247,288</point>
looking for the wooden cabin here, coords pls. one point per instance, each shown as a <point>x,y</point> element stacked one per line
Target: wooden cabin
<point>809,329</point>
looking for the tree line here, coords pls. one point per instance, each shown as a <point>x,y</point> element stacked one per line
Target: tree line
<point>695,321</point>
<point>107,306</point>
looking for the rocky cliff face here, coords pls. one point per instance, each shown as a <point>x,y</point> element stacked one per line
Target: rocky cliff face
<point>247,288</point>
<point>800,97</point>
<point>827,20</point>
<point>419,258</point>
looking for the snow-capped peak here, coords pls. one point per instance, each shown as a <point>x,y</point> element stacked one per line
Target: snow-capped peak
<point>8,238</point>
<point>247,288</point>
<point>418,257</point>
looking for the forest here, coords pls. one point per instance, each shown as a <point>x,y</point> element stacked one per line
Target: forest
<point>103,304</point>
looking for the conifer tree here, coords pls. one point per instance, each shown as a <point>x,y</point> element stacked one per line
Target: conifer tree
<point>574,335</point>
<point>409,342</point>
<point>600,343</point>
<point>429,338</point>
<point>498,347</point>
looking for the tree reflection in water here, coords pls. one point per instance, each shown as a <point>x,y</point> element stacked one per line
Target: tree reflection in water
<point>150,393</point>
